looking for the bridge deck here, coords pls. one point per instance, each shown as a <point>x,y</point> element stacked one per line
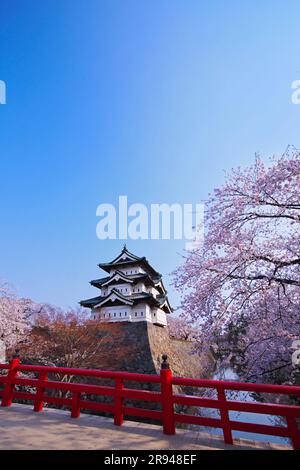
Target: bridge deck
<point>21,428</point>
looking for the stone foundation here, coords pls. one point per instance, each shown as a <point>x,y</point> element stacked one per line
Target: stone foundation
<point>138,347</point>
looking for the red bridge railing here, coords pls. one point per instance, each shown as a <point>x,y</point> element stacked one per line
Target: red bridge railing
<point>166,397</point>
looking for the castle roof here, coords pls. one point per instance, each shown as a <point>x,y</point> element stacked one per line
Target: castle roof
<point>127,259</point>
<point>116,298</point>
<point>130,278</point>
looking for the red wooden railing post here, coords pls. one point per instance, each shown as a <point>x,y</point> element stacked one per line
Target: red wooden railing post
<point>75,405</point>
<point>224,416</point>
<point>167,397</point>
<point>294,431</point>
<point>9,386</point>
<point>40,389</point>
<point>118,414</point>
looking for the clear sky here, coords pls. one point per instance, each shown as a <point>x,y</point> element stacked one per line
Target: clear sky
<point>150,99</point>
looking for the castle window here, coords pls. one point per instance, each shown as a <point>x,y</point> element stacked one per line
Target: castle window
<point>114,314</point>
<point>142,314</point>
<point>120,314</point>
<point>135,314</point>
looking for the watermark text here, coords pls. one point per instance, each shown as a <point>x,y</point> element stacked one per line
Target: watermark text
<point>295,97</point>
<point>156,222</point>
<point>2,92</point>
<point>296,353</point>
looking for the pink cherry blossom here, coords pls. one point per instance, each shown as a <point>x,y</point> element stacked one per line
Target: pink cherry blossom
<point>14,316</point>
<point>242,288</point>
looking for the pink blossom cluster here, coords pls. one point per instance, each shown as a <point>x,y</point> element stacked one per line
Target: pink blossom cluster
<point>14,316</point>
<point>243,286</point>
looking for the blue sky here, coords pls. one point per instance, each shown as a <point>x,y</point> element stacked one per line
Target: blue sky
<point>148,99</point>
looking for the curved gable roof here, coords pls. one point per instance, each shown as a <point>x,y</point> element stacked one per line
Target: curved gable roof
<point>115,277</point>
<point>126,259</point>
<point>125,255</point>
<point>114,294</point>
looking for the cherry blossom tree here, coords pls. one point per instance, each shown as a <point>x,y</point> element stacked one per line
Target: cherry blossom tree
<point>242,286</point>
<point>14,316</point>
<point>180,328</point>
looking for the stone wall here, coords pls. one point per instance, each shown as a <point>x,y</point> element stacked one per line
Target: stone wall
<point>138,347</point>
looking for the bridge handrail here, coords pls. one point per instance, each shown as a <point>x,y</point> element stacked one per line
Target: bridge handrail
<point>89,373</point>
<point>166,397</point>
<point>238,386</point>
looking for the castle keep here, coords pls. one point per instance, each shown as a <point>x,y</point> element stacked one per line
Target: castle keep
<point>132,307</point>
<point>132,292</point>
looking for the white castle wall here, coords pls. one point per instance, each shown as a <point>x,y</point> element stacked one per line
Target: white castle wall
<point>128,289</point>
<point>127,270</point>
<point>125,289</point>
<point>159,317</point>
<point>140,312</point>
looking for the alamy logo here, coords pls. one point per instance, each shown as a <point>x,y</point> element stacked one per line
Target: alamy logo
<point>2,92</point>
<point>296,93</point>
<point>296,353</point>
<point>158,222</point>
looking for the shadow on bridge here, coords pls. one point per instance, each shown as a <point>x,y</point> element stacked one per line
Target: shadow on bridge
<point>52,429</point>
